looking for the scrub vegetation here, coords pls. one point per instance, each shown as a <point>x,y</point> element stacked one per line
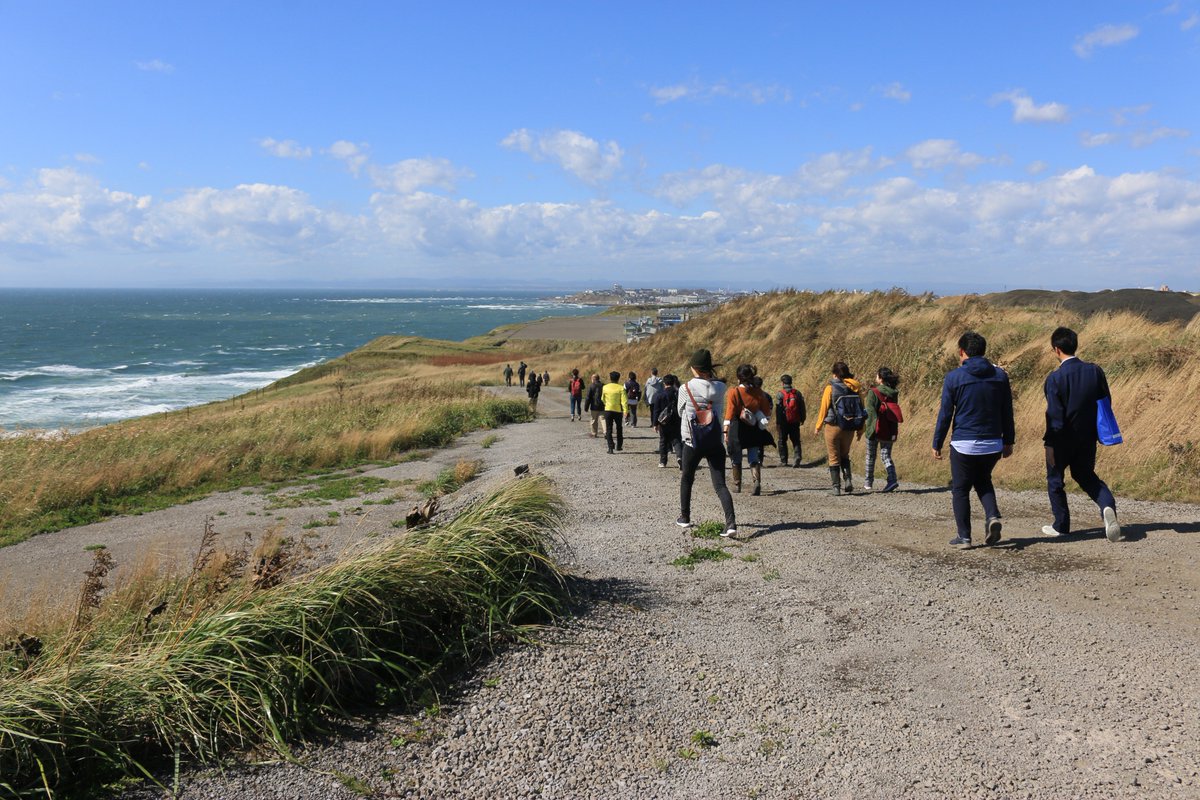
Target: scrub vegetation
<point>249,649</point>
<point>1153,370</point>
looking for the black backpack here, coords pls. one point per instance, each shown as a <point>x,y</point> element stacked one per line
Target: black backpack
<point>848,410</point>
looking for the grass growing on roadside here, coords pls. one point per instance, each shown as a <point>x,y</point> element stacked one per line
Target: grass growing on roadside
<point>451,479</point>
<point>701,554</point>
<point>708,530</point>
<point>489,440</point>
<point>223,668</point>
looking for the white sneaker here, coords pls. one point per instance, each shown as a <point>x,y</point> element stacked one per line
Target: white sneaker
<point>866,487</point>
<point>730,532</point>
<point>1112,528</point>
<point>1048,530</point>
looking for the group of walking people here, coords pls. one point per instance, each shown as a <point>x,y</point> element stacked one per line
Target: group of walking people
<point>700,420</point>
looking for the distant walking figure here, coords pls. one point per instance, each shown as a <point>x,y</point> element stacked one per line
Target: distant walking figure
<point>575,392</point>
<point>508,373</point>
<point>1072,392</point>
<point>633,390</point>
<point>664,413</point>
<point>532,388</point>
<point>842,415</point>
<point>701,406</point>
<point>545,378</point>
<point>594,403</point>
<point>790,414</point>
<point>652,387</point>
<point>883,426</point>
<point>977,399</point>
<point>521,372</point>
<point>616,406</point>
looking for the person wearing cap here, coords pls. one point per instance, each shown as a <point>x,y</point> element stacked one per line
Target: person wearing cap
<point>616,406</point>
<point>790,414</point>
<point>703,396</point>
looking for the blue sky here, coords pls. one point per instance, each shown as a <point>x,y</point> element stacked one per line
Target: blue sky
<point>951,146</point>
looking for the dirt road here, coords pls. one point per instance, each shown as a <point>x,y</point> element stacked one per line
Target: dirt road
<point>843,650</point>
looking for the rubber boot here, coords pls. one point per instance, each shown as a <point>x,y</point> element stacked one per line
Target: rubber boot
<point>836,477</point>
<point>892,480</point>
<point>847,483</point>
<point>756,473</point>
<point>736,473</point>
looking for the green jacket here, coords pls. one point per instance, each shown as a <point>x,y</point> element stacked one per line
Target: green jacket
<point>873,406</point>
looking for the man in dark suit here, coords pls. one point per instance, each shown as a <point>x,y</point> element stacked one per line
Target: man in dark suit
<point>1072,391</point>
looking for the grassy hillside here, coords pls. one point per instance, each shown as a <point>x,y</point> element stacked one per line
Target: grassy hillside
<point>393,395</point>
<point>1153,369</point>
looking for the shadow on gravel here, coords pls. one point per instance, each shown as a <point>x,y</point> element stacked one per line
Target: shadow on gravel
<point>586,593</point>
<point>783,527</point>
<point>1140,531</point>
<point>1131,533</point>
<point>926,490</point>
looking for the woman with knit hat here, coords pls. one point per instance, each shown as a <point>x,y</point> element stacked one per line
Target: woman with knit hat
<point>701,407</point>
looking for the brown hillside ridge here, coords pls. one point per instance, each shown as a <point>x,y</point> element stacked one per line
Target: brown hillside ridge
<point>1156,306</point>
<point>1152,367</point>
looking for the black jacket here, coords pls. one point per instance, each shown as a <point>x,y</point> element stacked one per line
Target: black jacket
<point>1071,394</point>
<point>594,397</point>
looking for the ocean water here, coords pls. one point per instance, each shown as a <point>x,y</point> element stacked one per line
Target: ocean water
<point>81,358</point>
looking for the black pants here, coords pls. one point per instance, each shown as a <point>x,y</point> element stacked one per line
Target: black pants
<point>716,471</point>
<point>633,414</point>
<point>669,442</point>
<point>613,419</point>
<point>789,430</point>
<point>967,473</point>
<point>1081,458</point>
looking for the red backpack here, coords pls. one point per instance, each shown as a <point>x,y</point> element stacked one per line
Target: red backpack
<point>888,418</point>
<point>576,387</point>
<point>791,406</point>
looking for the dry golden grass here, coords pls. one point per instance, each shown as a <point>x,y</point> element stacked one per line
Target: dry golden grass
<point>368,406</point>
<point>1153,370</point>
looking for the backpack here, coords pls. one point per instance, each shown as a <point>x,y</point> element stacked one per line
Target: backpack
<point>848,411</point>
<point>633,391</point>
<point>888,418</point>
<point>790,403</point>
<point>706,431</point>
<point>576,387</point>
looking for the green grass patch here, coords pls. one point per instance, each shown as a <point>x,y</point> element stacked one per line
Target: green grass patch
<point>224,667</point>
<point>708,530</point>
<point>701,554</point>
<point>489,440</point>
<point>451,479</point>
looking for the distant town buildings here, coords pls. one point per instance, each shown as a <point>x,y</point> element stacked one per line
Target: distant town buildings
<point>668,306</point>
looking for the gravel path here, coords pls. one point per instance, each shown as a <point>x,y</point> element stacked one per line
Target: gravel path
<point>843,651</point>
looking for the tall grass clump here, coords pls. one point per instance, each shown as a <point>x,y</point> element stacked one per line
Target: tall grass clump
<point>228,668</point>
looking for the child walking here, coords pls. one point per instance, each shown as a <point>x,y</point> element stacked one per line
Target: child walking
<point>883,425</point>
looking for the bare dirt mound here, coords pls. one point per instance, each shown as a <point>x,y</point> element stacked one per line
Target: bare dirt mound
<point>1153,305</point>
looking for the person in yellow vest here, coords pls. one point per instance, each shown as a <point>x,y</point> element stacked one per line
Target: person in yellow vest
<point>616,406</point>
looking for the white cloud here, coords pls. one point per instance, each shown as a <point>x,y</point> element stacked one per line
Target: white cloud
<point>1036,167</point>
<point>1190,22</point>
<point>355,155</point>
<point>1089,139</point>
<point>87,158</point>
<point>1123,116</point>
<point>155,65</point>
<point>940,153</point>
<point>1025,110</point>
<point>414,173</point>
<point>698,91</point>
<point>894,91</point>
<point>287,148</point>
<point>1146,138</point>
<point>585,158</point>
<point>1104,36</point>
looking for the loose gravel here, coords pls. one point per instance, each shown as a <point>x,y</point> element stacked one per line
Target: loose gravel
<point>844,650</point>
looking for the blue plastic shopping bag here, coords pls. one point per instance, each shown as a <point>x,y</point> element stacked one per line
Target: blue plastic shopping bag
<point>1107,430</point>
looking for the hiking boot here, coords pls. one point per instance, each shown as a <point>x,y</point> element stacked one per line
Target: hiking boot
<point>835,475</point>
<point>684,523</point>
<point>797,464</point>
<point>892,485</point>
<point>847,483</point>
<point>961,541</point>
<point>735,472</point>
<point>993,530</point>
<point>610,451</point>
<point>1112,528</point>
<point>756,472</point>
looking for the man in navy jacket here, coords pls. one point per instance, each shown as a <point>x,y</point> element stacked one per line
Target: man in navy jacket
<point>1072,391</point>
<point>977,399</point>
